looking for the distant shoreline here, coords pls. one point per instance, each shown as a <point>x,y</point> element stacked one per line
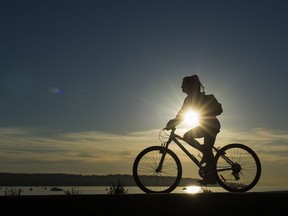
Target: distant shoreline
<point>59,179</point>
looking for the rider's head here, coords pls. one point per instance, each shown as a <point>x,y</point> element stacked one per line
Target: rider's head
<point>192,84</point>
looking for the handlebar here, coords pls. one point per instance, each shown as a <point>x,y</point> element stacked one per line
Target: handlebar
<point>172,129</point>
<point>166,136</point>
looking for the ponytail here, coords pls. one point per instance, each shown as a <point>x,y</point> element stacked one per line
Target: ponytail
<point>201,86</point>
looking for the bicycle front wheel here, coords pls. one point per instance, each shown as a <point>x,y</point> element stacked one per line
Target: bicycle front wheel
<point>238,168</point>
<point>157,169</point>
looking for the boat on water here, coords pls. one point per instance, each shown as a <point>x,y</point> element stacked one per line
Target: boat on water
<point>56,189</point>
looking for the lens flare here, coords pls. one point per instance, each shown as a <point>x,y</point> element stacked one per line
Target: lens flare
<point>191,118</point>
<point>56,90</point>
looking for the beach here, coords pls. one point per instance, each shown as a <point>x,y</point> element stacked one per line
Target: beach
<point>270,203</point>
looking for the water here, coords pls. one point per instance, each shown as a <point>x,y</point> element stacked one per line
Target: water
<point>86,190</point>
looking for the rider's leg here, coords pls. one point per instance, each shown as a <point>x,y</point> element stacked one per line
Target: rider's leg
<point>210,131</point>
<point>209,141</point>
<point>209,177</point>
<point>190,136</point>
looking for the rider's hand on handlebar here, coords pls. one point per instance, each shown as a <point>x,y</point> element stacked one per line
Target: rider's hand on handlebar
<point>170,125</point>
<point>167,127</point>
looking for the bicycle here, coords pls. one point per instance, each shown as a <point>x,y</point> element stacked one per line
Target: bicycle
<point>157,169</point>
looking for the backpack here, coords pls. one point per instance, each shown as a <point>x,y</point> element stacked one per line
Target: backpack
<point>210,106</point>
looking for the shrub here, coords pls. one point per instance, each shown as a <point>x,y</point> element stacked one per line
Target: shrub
<point>13,192</point>
<point>117,187</point>
<point>73,191</point>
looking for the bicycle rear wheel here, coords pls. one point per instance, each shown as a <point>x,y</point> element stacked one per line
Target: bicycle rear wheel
<point>151,178</point>
<point>238,168</point>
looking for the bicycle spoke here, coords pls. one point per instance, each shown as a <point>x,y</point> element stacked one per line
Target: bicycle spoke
<point>243,173</point>
<point>151,179</point>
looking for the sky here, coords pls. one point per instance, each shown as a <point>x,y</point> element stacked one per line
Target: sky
<point>86,85</point>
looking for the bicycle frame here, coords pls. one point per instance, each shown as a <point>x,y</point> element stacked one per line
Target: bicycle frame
<point>174,137</point>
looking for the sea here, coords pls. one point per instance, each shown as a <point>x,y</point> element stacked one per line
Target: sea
<point>94,190</point>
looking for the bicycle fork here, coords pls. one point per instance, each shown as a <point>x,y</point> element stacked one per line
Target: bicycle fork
<point>163,152</point>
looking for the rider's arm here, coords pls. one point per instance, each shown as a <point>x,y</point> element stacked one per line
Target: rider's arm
<point>172,123</point>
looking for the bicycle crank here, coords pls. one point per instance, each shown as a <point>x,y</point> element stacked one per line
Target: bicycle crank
<point>236,168</point>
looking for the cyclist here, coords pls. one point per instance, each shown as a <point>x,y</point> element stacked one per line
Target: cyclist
<point>209,125</point>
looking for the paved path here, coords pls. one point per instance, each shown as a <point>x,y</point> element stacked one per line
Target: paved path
<point>213,204</point>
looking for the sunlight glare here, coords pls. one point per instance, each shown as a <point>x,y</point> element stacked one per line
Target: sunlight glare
<point>191,118</point>
<point>192,189</point>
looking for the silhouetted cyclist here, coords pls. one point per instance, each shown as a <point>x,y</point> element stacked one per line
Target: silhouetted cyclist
<point>207,108</point>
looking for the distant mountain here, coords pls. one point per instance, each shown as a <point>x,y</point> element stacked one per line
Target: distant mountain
<point>59,179</point>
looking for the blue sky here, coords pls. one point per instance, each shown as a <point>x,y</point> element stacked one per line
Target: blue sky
<point>86,85</point>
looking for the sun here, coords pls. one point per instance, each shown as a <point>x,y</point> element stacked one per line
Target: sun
<point>191,118</point>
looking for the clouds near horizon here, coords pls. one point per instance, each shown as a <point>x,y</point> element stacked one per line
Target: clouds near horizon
<point>95,152</point>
